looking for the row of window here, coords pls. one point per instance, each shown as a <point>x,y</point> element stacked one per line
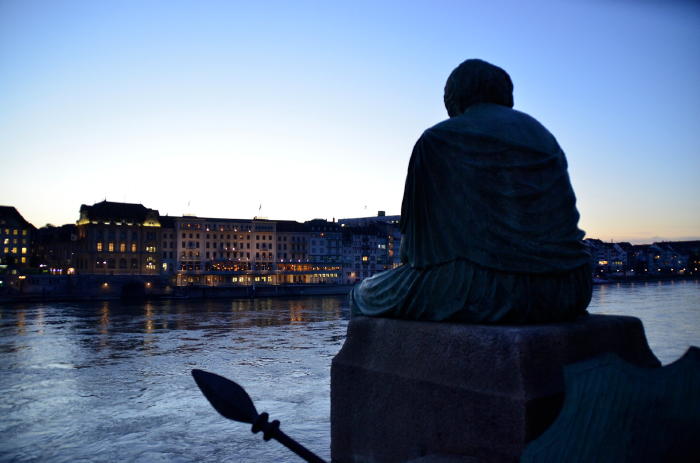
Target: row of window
<point>122,263</point>
<point>228,237</point>
<point>208,245</point>
<point>209,227</point>
<point>229,255</point>
<point>112,263</point>
<point>14,232</point>
<point>13,250</point>
<point>111,234</point>
<point>6,241</point>
<point>227,246</point>
<point>122,247</point>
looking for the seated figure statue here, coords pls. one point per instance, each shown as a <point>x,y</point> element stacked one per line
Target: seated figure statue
<point>489,220</point>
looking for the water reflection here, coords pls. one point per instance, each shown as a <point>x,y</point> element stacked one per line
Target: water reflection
<point>20,323</point>
<point>149,317</point>
<point>104,318</point>
<point>39,321</point>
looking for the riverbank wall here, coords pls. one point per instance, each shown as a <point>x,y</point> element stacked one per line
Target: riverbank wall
<point>50,288</point>
<point>643,279</point>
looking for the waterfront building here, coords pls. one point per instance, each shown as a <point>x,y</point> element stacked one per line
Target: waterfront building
<point>666,259</point>
<point>389,225</point>
<point>325,241</point>
<point>638,259</point>
<point>365,252</point>
<point>325,251</point>
<point>381,217</point>
<point>690,250</point>
<point>293,240</point>
<point>225,252</point>
<point>168,245</point>
<point>207,247</point>
<point>56,248</point>
<point>608,258</point>
<point>15,239</point>
<point>118,239</point>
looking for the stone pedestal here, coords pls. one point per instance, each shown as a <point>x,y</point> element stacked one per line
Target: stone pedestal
<point>401,390</point>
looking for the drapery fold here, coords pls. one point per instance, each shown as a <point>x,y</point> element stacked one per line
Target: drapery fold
<point>490,186</point>
<point>489,228</point>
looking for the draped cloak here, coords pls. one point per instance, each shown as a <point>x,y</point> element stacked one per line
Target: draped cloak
<point>487,198</point>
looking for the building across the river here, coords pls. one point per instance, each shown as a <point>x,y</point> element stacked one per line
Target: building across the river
<point>233,252</point>
<point>16,236</point>
<point>659,259</point>
<point>118,239</point>
<point>125,239</point>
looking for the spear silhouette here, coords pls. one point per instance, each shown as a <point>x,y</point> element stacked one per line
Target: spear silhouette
<point>234,403</point>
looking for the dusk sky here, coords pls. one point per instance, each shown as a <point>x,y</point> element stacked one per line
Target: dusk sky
<point>311,109</point>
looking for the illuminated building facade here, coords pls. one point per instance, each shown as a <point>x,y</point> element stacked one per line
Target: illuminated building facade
<point>365,251</point>
<point>225,252</point>
<point>15,238</point>
<point>607,258</point>
<point>325,241</point>
<point>168,245</point>
<point>118,239</point>
<point>292,252</point>
<point>359,250</point>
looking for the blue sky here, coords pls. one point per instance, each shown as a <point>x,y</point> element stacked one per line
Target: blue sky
<point>311,108</point>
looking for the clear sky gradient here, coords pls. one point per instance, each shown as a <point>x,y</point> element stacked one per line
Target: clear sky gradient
<point>311,108</point>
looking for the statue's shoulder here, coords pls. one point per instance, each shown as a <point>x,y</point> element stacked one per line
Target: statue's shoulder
<point>497,122</point>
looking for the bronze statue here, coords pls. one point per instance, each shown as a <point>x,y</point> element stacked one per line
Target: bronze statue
<point>489,219</point>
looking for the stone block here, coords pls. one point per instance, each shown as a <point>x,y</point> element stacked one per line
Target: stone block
<point>401,390</point>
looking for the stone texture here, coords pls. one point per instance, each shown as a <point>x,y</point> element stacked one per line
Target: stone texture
<point>401,390</point>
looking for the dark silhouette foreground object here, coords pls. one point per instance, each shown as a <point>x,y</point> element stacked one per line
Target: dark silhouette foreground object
<point>401,390</point>
<point>234,403</point>
<point>617,412</point>
<point>488,220</point>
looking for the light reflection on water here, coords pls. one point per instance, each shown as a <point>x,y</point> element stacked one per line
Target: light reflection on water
<point>107,381</point>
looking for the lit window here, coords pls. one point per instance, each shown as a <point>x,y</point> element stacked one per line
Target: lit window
<point>133,247</point>
<point>14,232</point>
<point>24,251</point>
<point>24,260</point>
<point>122,247</point>
<point>24,232</point>
<point>110,247</point>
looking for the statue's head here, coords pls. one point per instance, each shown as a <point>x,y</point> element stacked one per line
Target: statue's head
<point>476,81</point>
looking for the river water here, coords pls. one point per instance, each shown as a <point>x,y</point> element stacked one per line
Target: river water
<point>110,382</point>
